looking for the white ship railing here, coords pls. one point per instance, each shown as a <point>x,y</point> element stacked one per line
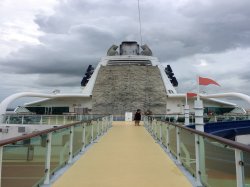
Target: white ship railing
<point>46,119</point>
<point>32,159</point>
<point>180,118</point>
<point>212,160</point>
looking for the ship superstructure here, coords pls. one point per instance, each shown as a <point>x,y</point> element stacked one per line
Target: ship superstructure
<point>128,78</point>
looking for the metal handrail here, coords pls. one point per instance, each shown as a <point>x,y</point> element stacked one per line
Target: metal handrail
<point>31,135</point>
<point>103,123</point>
<point>239,149</point>
<point>231,143</point>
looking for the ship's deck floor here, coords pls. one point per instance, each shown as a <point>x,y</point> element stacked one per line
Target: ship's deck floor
<point>126,156</point>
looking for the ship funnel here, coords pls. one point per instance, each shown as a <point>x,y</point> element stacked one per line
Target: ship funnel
<point>129,48</point>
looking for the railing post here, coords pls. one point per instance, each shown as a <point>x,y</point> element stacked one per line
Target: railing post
<point>240,178</point>
<point>49,120</point>
<point>1,164</point>
<point>199,122</point>
<point>152,126</point>
<point>92,132</point>
<point>8,119</point>
<point>98,128</point>
<point>41,120</point>
<point>71,144</point>
<point>64,119</point>
<point>178,145</point>
<point>48,157</point>
<point>186,111</point>
<point>155,129</point>
<point>106,124</point>
<point>102,125</point>
<point>84,137</point>
<point>148,124</point>
<point>167,138</point>
<point>215,118</point>
<point>144,121</point>
<point>160,132</point>
<point>111,120</point>
<point>197,157</point>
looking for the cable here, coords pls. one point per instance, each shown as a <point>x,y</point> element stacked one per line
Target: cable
<point>139,12</point>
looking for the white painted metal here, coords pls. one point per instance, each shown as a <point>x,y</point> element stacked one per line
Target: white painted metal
<point>92,131</point>
<point>186,112</point>
<point>167,138</point>
<point>84,137</point>
<point>5,103</point>
<point>178,145</point>
<point>160,132</point>
<point>155,129</point>
<point>197,157</point>
<point>102,126</point>
<point>48,157</point>
<point>198,107</point>
<point>22,119</point>
<point>128,116</point>
<point>41,120</point>
<point>64,120</point>
<point>168,85</point>
<point>230,94</point>
<point>98,128</point>
<point>218,95</point>
<point>239,164</point>
<point>106,122</point>
<point>56,119</point>
<point>111,120</point>
<point>71,144</point>
<point>215,118</point>
<point>104,60</point>
<point>88,89</point>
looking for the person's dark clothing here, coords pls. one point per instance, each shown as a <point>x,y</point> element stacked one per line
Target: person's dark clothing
<point>137,116</point>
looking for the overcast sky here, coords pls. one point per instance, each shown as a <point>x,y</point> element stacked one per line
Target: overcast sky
<point>46,45</point>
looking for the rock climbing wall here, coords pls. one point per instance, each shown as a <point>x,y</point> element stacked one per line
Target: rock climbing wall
<point>125,88</point>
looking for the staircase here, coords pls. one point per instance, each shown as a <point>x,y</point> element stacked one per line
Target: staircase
<point>120,89</point>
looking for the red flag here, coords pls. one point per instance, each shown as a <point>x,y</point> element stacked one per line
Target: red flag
<point>207,81</point>
<point>190,94</point>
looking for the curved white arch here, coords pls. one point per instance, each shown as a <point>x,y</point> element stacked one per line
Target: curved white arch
<point>230,94</point>
<point>219,95</point>
<point>5,103</point>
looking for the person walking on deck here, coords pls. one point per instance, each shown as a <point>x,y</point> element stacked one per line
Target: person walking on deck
<point>137,117</point>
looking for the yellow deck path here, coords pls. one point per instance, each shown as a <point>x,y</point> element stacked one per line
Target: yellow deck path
<point>126,156</point>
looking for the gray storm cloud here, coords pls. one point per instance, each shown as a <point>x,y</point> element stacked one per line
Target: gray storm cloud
<point>80,31</point>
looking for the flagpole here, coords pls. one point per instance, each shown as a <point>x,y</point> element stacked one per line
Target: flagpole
<point>186,112</point>
<point>186,99</point>
<point>199,125</point>
<point>198,106</point>
<point>198,88</point>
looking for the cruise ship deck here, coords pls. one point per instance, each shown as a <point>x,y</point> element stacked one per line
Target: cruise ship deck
<point>126,156</point>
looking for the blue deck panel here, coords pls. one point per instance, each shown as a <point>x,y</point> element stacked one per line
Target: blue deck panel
<point>227,129</point>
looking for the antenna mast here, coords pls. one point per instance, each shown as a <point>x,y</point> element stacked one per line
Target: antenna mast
<point>139,14</point>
